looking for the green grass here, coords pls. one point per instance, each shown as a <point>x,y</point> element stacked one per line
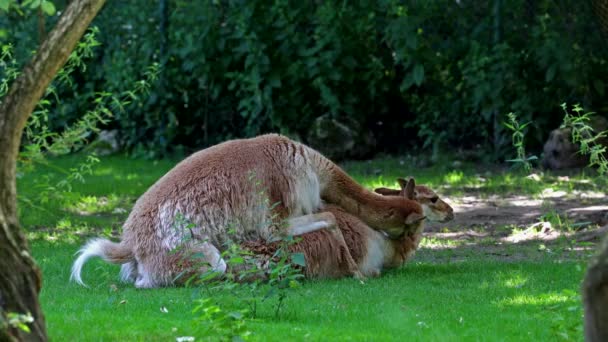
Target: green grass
<point>479,298</point>
<point>474,178</point>
<point>470,300</point>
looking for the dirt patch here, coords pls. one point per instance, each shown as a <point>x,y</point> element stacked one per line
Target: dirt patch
<point>495,212</point>
<point>559,225</point>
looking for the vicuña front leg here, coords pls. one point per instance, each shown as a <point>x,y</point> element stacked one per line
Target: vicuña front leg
<point>309,223</point>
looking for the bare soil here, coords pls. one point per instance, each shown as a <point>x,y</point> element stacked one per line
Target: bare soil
<point>557,225</point>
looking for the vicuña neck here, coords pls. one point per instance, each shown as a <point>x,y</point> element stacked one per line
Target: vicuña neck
<point>342,190</point>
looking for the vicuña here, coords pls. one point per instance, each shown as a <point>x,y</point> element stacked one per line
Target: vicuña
<point>328,252</point>
<point>250,186</point>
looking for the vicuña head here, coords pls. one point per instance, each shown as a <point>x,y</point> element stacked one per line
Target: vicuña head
<point>435,209</point>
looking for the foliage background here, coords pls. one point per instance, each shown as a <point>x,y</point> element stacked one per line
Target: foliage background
<point>416,73</point>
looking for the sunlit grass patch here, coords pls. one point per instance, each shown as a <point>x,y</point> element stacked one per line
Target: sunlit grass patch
<point>91,205</point>
<point>434,242</point>
<point>541,299</point>
<point>68,231</point>
<point>516,280</point>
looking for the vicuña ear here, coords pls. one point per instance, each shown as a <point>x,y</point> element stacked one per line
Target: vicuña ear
<point>414,218</point>
<point>387,192</point>
<point>407,187</point>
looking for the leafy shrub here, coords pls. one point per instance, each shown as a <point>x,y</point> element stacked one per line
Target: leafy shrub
<point>592,143</point>
<point>414,72</point>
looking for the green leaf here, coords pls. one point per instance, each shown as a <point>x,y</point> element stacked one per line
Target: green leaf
<point>521,127</point>
<point>298,259</point>
<point>48,8</point>
<point>23,327</point>
<point>32,3</point>
<point>599,86</point>
<point>4,5</point>
<point>237,260</point>
<point>274,79</point>
<point>406,83</point>
<point>271,292</point>
<point>236,315</point>
<point>418,74</point>
<point>551,73</point>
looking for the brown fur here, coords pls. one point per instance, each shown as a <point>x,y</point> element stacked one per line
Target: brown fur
<point>435,209</point>
<point>325,250</point>
<point>248,185</point>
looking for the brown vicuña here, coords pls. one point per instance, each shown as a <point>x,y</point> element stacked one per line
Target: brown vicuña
<point>325,251</point>
<point>249,186</point>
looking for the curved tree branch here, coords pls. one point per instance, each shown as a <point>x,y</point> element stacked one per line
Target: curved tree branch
<point>20,278</point>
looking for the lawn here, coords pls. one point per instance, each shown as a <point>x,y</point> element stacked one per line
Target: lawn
<point>481,277</point>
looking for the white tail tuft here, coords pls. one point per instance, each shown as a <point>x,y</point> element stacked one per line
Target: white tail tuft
<point>95,247</point>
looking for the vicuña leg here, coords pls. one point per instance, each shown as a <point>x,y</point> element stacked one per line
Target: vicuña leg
<point>325,220</point>
<point>309,223</point>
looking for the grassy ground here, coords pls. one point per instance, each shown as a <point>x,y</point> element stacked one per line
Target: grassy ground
<point>472,289</point>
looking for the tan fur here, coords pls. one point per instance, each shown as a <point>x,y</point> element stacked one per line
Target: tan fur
<point>250,186</point>
<point>435,209</point>
<point>371,250</point>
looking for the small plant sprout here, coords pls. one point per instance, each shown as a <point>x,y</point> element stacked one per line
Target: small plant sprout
<point>517,138</point>
<point>20,321</point>
<point>218,324</point>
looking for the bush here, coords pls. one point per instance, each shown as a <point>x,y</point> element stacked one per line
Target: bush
<point>421,73</point>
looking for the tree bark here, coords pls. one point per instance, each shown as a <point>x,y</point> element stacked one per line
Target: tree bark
<point>600,8</point>
<point>20,278</point>
<point>595,297</point>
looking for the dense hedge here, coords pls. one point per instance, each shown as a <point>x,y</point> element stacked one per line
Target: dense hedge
<point>427,73</point>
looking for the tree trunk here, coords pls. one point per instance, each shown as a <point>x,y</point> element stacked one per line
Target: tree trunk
<point>20,278</point>
<point>595,285</point>
<point>600,8</point>
<point>595,297</point>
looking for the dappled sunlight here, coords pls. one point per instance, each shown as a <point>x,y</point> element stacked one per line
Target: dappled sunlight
<point>516,281</point>
<point>589,194</point>
<point>92,205</point>
<point>589,208</point>
<point>454,177</point>
<point>440,243</point>
<point>372,183</point>
<point>542,232</point>
<point>103,171</point>
<point>541,299</point>
<point>552,193</point>
<point>66,231</point>
<point>126,177</point>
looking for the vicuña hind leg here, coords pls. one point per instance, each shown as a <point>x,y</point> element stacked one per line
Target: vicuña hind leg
<point>176,267</point>
<point>197,260</point>
<point>350,263</point>
<point>325,220</point>
<point>128,272</point>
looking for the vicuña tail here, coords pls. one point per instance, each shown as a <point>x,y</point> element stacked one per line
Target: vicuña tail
<point>116,253</point>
